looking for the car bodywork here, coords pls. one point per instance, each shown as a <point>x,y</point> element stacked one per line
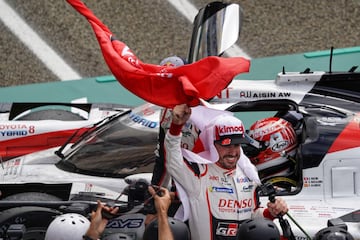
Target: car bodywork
<point>328,134</point>
<point>29,127</point>
<point>71,177</point>
<point>327,170</point>
<point>125,143</point>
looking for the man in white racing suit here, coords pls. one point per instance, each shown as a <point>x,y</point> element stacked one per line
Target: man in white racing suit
<point>222,193</point>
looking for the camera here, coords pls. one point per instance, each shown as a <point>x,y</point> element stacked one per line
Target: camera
<point>149,204</point>
<point>138,194</point>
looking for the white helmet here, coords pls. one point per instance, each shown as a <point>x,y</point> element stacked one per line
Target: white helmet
<point>67,227</point>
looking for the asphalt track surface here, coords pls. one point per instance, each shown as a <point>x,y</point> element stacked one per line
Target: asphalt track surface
<point>154,29</point>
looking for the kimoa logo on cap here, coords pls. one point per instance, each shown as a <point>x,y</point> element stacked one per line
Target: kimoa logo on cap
<point>228,130</point>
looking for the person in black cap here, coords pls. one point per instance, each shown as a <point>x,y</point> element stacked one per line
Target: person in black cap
<point>333,233</point>
<point>222,194</point>
<point>260,228</point>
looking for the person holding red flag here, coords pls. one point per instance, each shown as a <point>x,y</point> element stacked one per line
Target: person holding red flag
<point>222,193</point>
<point>162,85</point>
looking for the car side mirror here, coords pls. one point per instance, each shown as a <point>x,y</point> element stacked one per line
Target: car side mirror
<point>216,28</point>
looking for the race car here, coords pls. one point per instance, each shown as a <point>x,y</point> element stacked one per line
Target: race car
<point>30,127</point>
<point>123,142</point>
<point>320,175</point>
<point>99,165</point>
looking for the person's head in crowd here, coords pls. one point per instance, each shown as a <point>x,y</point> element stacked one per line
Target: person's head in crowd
<point>117,236</point>
<point>178,228</point>
<point>333,233</point>
<point>172,61</point>
<point>258,228</point>
<point>69,226</point>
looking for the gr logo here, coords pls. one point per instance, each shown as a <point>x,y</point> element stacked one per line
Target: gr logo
<point>226,229</point>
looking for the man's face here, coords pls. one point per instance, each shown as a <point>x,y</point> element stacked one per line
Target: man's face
<point>228,155</point>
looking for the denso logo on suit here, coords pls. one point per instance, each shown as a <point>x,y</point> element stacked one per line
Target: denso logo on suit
<point>234,204</point>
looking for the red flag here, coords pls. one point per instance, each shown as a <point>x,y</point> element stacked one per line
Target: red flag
<point>162,85</point>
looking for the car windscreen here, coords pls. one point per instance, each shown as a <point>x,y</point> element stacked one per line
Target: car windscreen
<point>118,149</point>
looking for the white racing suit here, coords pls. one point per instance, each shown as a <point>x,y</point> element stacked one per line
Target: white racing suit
<point>219,198</point>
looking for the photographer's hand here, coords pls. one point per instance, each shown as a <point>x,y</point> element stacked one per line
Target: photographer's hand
<point>162,200</point>
<point>162,203</point>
